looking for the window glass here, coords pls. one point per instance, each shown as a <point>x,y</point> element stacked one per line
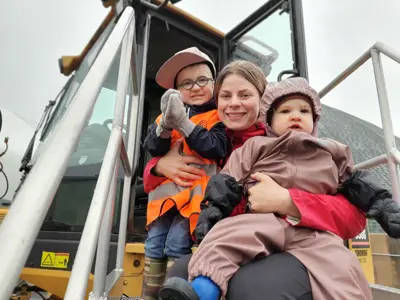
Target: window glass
<point>72,200</point>
<point>269,45</point>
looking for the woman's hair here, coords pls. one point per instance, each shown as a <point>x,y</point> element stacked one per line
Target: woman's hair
<point>247,70</point>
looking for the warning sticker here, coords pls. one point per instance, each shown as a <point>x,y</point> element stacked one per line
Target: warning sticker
<point>361,246</point>
<point>54,260</point>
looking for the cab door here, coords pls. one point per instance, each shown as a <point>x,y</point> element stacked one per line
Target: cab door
<point>273,38</point>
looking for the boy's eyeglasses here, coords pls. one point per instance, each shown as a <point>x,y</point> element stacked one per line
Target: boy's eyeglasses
<point>189,84</point>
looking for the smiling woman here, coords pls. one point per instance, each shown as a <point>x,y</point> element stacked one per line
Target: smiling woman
<point>238,92</point>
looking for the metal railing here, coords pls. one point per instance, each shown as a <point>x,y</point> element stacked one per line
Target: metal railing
<point>35,197</point>
<point>392,155</point>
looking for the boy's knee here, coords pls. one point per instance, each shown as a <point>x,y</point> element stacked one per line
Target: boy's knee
<point>179,241</point>
<point>154,248</point>
<point>155,242</point>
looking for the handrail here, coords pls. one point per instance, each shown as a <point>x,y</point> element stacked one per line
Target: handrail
<point>386,254</point>
<point>36,195</point>
<point>392,155</point>
<point>127,52</point>
<point>133,148</point>
<point>105,191</point>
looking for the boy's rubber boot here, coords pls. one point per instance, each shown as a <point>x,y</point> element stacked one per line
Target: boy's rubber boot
<point>153,277</point>
<point>202,288</point>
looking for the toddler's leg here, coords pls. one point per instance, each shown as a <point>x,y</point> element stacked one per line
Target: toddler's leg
<point>231,242</point>
<point>334,270</point>
<point>236,241</point>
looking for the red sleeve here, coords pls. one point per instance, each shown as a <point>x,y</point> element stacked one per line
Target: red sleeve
<point>328,213</point>
<point>151,181</point>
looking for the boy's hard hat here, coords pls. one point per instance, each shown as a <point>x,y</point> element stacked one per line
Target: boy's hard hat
<point>167,73</point>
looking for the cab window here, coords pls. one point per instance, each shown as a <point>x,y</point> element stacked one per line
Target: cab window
<point>268,45</point>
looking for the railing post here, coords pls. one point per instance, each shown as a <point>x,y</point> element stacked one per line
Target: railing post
<point>142,85</point>
<point>76,288</point>
<point>103,245</point>
<point>132,141</point>
<point>386,122</point>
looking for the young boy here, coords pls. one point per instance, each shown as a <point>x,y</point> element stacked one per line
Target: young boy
<point>188,110</point>
<point>294,157</point>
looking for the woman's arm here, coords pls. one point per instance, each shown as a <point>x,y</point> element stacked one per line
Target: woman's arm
<point>173,166</point>
<point>321,212</point>
<point>327,213</point>
<point>150,179</point>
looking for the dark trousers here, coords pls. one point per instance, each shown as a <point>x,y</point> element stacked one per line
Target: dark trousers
<point>279,276</point>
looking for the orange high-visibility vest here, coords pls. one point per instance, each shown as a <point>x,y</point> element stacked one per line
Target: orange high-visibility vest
<point>186,199</point>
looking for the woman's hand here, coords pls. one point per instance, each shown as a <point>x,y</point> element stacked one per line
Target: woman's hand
<point>176,167</point>
<point>269,197</point>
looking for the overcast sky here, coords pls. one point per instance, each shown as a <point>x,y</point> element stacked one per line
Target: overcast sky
<point>36,33</point>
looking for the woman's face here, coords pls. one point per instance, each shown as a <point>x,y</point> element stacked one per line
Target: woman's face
<point>238,103</point>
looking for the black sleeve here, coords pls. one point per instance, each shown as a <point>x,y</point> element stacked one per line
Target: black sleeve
<point>224,192</point>
<point>210,144</point>
<point>221,196</point>
<point>364,191</point>
<point>155,145</point>
<point>208,217</point>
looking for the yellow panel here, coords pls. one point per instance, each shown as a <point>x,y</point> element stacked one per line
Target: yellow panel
<point>55,281</point>
<point>139,248</point>
<point>3,212</point>
<point>133,286</point>
<point>192,18</point>
<point>133,269</point>
<point>361,246</point>
<point>386,266</point>
<point>118,288</point>
<point>52,281</point>
<point>134,248</point>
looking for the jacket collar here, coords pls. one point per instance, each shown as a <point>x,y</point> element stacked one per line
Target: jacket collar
<point>193,110</point>
<point>238,138</point>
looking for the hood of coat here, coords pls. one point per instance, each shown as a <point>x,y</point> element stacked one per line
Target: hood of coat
<point>278,91</point>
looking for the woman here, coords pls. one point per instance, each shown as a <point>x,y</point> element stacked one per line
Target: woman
<point>281,276</point>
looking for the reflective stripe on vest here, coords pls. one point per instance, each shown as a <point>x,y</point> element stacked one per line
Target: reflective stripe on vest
<point>187,200</point>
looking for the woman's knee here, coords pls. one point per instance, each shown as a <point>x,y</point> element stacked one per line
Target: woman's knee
<point>281,276</point>
<point>180,267</point>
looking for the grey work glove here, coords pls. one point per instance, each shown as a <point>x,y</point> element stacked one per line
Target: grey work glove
<point>165,127</point>
<point>176,116</point>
